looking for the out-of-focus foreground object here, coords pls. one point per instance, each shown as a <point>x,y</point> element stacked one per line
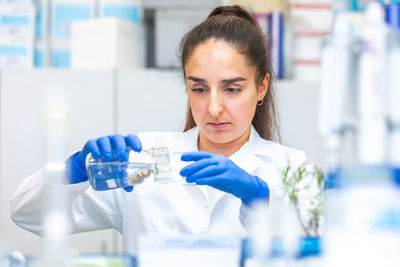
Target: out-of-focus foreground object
<point>360,123</point>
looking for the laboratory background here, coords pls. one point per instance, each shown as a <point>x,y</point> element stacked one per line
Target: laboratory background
<point>71,70</point>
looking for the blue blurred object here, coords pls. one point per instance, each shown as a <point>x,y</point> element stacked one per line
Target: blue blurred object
<point>8,261</point>
<point>332,180</point>
<point>277,248</point>
<point>128,13</point>
<point>396,175</point>
<point>89,260</point>
<point>38,58</point>
<point>246,251</point>
<point>13,50</point>
<point>103,260</point>
<point>347,176</point>
<point>61,59</point>
<point>359,5</point>
<point>310,247</point>
<point>392,15</point>
<point>15,259</point>
<point>14,20</point>
<point>276,31</point>
<point>86,260</point>
<point>39,22</point>
<point>64,14</point>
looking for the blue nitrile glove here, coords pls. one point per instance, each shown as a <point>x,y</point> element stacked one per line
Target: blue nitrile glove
<point>221,173</point>
<point>75,168</point>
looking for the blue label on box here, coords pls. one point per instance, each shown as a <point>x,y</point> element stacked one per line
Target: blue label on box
<point>61,59</point>
<point>13,20</point>
<point>129,13</point>
<point>38,58</point>
<point>13,50</point>
<point>65,14</point>
<point>39,21</point>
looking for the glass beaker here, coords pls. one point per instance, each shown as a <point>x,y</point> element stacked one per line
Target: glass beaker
<point>104,175</point>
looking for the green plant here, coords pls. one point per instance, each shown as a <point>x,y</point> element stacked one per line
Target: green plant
<point>304,187</point>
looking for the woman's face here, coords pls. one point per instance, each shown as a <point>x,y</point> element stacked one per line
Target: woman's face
<point>222,92</point>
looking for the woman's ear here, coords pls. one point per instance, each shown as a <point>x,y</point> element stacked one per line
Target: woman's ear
<point>263,87</point>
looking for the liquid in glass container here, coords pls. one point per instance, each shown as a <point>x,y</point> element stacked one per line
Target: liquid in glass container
<point>105,175</point>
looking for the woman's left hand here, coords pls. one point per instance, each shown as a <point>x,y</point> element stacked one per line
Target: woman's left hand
<point>221,173</point>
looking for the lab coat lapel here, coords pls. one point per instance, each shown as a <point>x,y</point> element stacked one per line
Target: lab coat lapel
<point>246,157</point>
<point>245,160</point>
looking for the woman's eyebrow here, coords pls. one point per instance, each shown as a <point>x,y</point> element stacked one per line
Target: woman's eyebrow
<point>233,80</point>
<point>197,80</point>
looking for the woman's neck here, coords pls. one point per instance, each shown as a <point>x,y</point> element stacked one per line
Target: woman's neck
<point>226,149</point>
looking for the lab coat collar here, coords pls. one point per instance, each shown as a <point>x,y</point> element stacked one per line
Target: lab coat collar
<point>262,147</point>
<point>249,156</point>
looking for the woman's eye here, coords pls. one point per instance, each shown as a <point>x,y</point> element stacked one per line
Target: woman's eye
<point>198,90</point>
<point>233,90</point>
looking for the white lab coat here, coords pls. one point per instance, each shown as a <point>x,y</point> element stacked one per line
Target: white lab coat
<point>160,208</point>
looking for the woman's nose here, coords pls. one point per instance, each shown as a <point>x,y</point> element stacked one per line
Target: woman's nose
<point>215,106</point>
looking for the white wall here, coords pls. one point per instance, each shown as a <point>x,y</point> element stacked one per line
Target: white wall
<point>104,102</point>
<point>298,104</point>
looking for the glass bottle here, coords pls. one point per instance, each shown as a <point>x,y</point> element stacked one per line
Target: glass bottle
<point>105,175</point>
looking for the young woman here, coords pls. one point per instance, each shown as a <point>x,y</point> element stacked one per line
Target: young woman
<point>227,146</point>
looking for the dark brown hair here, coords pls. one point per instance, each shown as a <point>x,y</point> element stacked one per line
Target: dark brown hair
<point>237,27</point>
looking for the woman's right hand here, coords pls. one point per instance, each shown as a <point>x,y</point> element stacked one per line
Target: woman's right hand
<point>112,147</point>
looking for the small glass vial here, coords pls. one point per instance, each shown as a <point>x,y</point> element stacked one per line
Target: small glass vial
<point>105,175</point>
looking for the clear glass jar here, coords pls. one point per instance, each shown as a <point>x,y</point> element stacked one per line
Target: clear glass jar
<point>105,175</point>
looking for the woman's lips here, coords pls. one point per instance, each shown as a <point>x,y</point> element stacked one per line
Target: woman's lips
<point>218,125</point>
